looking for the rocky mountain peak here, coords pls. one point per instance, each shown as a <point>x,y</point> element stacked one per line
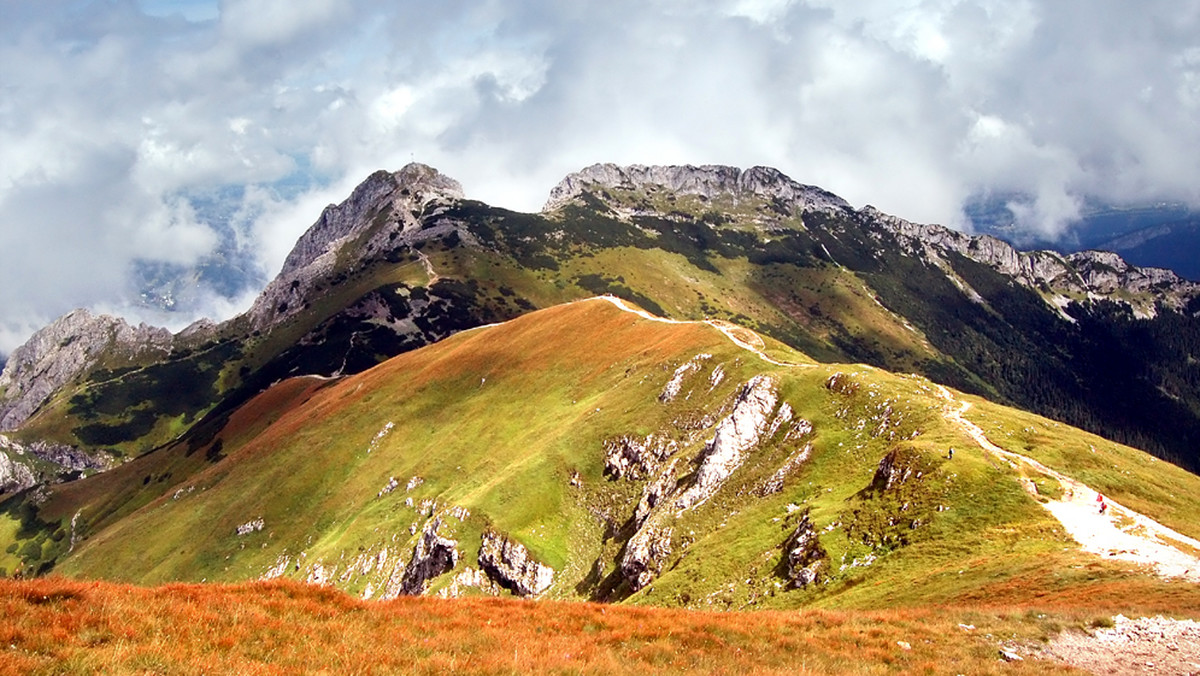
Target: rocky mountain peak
<point>392,199</point>
<point>707,180</point>
<point>416,184</point>
<point>64,349</point>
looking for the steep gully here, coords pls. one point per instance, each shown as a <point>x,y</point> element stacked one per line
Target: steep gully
<point>1119,533</point>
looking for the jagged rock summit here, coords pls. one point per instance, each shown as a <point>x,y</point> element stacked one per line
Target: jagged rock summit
<point>706,180</point>
<point>400,198</point>
<point>414,185</point>
<point>75,342</point>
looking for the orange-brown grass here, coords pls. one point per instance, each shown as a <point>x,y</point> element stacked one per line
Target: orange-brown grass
<point>53,625</point>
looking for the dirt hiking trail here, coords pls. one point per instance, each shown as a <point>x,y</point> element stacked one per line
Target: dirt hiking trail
<point>742,337</point>
<point>1119,533</point>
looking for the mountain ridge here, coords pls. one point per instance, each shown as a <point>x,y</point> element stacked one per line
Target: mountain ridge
<point>414,231</point>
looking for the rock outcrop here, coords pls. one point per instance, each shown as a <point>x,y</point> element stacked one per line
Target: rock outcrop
<point>740,431</point>
<point>662,500</point>
<point>62,351</point>
<point>509,563</point>
<point>655,493</point>
<point>70,458</point>
<point>894,469</point>
<point>804,557</point>
<point>708,181</point>
<point>628,457</point>
<point>26,465</point>
<point>15,475</point>
<point>432,556</point>
<point>675,384</point>
<point>644,555</point>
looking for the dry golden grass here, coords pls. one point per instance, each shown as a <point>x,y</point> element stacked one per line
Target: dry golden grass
<point>54,625</point>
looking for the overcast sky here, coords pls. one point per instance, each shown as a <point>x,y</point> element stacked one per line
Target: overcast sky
<point>115,116</point>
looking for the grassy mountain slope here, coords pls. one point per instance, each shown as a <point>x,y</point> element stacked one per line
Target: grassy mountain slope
<point>509,429</point>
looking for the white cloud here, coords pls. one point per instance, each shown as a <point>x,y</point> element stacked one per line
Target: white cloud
<point>112,113</point>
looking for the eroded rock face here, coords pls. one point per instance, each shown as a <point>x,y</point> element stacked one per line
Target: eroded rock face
<point>627,457</point>
<point>66,348</point>
<point>655,493</point>
<point>740,431</point>
<point>1090,274</point>
<point>71,459</point>
<point>644,555</point>
<point>752,419</point>
<point>14,474</point>
<point>508,563</point>
<point>433,556</point>
<point>774,484</point>
<point>675,384</point>
<point>804,555</point>
<point>707,180</point>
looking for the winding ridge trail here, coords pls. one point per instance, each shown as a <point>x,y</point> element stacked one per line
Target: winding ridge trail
<point>1121,533</point>
<point>742,337</point>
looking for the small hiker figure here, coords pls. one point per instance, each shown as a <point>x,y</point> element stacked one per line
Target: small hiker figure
<point>1103,506</point>
<point>950,455</point>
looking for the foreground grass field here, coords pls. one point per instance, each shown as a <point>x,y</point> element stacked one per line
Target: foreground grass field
<point>53,625</point>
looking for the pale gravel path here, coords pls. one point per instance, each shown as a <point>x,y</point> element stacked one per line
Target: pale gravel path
<point>738,335</point>
<point>1121,533</point>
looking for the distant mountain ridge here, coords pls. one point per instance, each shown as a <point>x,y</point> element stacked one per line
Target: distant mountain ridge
<point>1162,235</point>
<point>407,260</point>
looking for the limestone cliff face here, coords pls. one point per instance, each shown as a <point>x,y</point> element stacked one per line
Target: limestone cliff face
<point>432,556</point>
<point>707,181</point>
<point>736,434</point>
<point>663,500</point>
<point>62,351</point>
<point>804,556</point>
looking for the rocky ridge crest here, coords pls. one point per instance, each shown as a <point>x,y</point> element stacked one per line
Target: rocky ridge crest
<point>707,180</point>
<point>1091,275</point>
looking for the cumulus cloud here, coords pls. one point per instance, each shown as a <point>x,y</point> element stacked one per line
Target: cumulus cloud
<point>115,116</point>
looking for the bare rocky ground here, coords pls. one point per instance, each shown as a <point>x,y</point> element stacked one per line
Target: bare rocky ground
<point>1147,645</point>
